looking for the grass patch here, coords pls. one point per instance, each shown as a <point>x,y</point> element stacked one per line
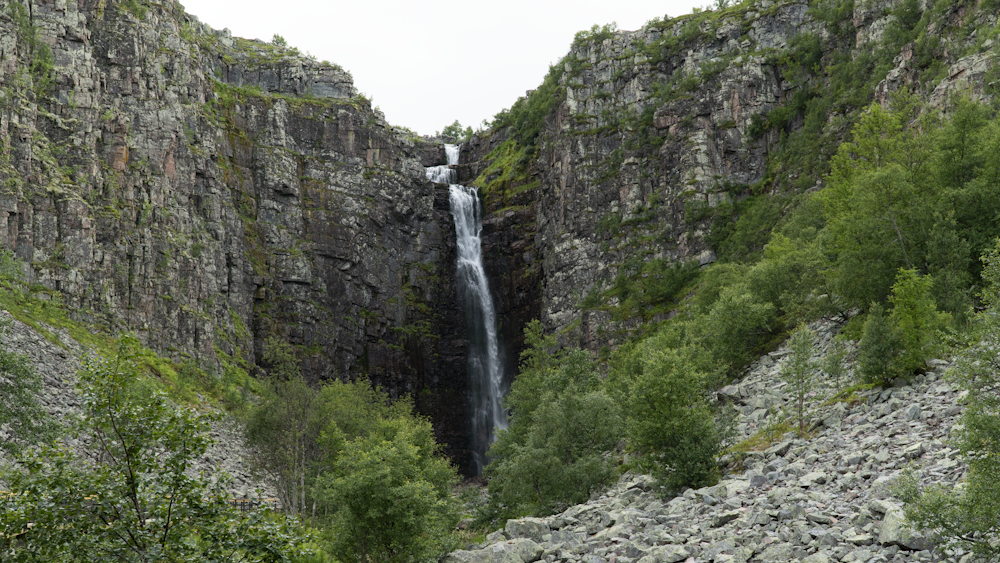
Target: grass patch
<point>850,395</point>
<point>763,439</point>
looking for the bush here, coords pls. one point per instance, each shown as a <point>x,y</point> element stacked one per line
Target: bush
<point>737,326</point>
<point>916,320</point>
<point>561,461</point>
<point>21,414</point>
<point>669,422</point>
<point>392,492</point>
<point>969,516</point>
<point>879,349</point>
<point>127,489</point>
<point>561,426</point>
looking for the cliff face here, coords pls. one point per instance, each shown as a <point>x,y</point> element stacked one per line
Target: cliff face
<point>653,139</point>
<point>209,193</point>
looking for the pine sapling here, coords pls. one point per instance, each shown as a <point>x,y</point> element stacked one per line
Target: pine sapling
<point>797,371</point>
<point>833,364</point>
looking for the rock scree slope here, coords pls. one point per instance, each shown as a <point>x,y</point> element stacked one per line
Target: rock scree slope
<point>817,500</point>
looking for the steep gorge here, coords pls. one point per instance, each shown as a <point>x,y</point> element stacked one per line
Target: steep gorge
<point>210,193</point>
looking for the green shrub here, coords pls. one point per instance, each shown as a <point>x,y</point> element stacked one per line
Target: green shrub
<point>833,364</point>
<point>562,459</point>
<point>21,413</point>
<point>969,516</point>
<point>916,320</point>
<point>128,487</point>
<point>392,493</point>
<point>737,325</point>
<point>561,426</point>
<point>879,349</point>
<point>669,422</point>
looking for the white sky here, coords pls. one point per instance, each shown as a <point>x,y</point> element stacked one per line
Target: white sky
<point>426,63</point>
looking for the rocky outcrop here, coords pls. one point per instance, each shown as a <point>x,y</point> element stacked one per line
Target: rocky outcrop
<point>209,192</point>
<point>822,499</point>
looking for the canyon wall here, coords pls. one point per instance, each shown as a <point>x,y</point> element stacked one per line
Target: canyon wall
<point>209,193</point>
<point>652,139</point>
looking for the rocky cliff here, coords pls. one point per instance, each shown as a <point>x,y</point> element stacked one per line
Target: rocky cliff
<point>210,192</point>
<point>654,144</point>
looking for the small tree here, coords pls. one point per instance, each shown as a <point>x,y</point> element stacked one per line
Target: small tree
<point>26,421</point>
<point>833,363</point>
<point>970,516</point>
<point>132,495</point>
<point>879,348</point>
<point>456,131</point>
<point>798,371</point>
<point>393,495</point>
<point>916,319</point>
<point>737,324</point>
<point>561,426</point>
<point>669,420</point>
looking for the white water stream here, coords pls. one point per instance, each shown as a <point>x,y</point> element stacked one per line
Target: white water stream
<point>486,374</point>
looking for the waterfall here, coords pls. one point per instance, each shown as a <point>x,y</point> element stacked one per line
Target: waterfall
<point>486,374</point>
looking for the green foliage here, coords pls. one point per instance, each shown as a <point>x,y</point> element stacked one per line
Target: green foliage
<point>879,349</point>
<point>798,371</point>
<point>916,320</point>
<point>736,326</point>
<point>739,232</point>
<point>455,130</point>
<point>41,63</point>
<point>833,364</point>
<point>281,361</point>
<point>21,414</point>
<point>349,461</point>
<point>136,8</point>
<point>669,422</point>
<point>898,344</point>
<point>597,34</point>
<point>296,432</point>
<point>527,116</point>
<point>126,492</point>
<point>561,426</point>
<point>279,41</point>
<point>969,516</point>
<point>393,496</point>
<point>644,289</point>
<point>43,309</point>
<point>876,204</point>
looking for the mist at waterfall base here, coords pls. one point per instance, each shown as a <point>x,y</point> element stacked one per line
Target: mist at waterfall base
<point>487,381</point>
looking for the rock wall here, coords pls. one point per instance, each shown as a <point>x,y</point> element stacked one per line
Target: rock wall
<point>659,127</point>
<point>209,193</point>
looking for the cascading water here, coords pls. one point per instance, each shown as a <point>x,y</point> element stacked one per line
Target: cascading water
<point>486,374</point>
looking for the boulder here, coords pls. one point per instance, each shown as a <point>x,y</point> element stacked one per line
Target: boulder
<point>895,531</point>
<point>725,518</point>
<point>529,528</point>
<point>666,554</point>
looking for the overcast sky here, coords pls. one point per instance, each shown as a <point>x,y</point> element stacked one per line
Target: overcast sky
<point>426,63</point>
